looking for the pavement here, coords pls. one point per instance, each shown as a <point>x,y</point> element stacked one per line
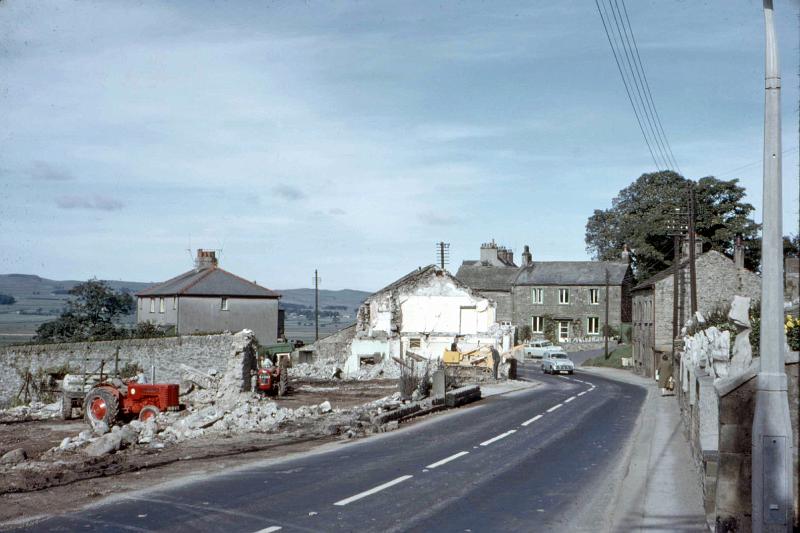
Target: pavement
<point>660,486</point>
<point>570,454</point>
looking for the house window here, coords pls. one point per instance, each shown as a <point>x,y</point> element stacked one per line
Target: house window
<point>174,302</point>
<point>537,296</point>
<point>537,324</point>
<point>593,325</point>
<point>224,304</point>
<point>563,296</point>
<point>152,305</point>
<point>594,296</point>
<point>161,305</point>
<point>414,343</point>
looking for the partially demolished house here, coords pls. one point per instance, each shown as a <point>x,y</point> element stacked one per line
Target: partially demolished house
<point>421,315</point>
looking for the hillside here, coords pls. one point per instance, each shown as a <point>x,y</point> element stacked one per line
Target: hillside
<point>40,299</point>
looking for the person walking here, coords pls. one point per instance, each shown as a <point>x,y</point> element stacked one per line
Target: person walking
<point>665,375</point>
<point>495,361</point>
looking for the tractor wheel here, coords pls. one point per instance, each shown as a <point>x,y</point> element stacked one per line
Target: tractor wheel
<point>100,405</point>
<point>283,381</point>
<point>148,412</point>
<point>66,406</point>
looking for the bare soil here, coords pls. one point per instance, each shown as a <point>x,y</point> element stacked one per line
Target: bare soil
<point>74,480</point>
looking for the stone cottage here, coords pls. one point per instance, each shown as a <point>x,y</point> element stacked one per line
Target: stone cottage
<point>719,279</point>
<point>566,296</point>
<point>210,299</point>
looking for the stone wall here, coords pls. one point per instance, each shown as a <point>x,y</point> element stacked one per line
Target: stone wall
<point>165,354</point>
<point>334,348</point>
<point>504,305</point>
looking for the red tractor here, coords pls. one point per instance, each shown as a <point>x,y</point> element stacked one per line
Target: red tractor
<point>273,379</point>
<point>117,400</point>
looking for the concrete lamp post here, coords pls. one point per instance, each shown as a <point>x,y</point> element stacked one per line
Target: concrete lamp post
<point>772,481</point>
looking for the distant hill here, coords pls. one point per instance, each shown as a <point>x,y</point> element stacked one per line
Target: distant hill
<point>39,300</point>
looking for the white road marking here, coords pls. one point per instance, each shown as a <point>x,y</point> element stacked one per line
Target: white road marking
<point>569,399</point>
<point>372,491</point>
<point>447,459</point>
<point>554,408</point>
<point>500,436</point>
<point>532,420</point>
<point>582,393</point>
<point>269,529</point>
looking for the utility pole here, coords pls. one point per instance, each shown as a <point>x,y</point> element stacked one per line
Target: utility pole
<point>676,228</point>
<point>772,481</point>
<point>606,325</point>
<point>692,241</point>
<point>442,253</point>
<point>316,304</point>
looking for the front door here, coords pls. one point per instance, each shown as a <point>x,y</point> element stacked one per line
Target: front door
<point>563,330</point>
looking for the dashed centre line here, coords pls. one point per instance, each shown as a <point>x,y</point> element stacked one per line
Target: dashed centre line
<point>532,420</point>
<point>554,408</point>
<point>570,399</point>
<point>501,436</point>
<point>269,529</point>
<point>447,459</point>
<point>582,393</point>
<point>372,491</point>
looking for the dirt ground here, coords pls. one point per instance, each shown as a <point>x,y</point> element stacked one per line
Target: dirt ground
<point>63,486</point>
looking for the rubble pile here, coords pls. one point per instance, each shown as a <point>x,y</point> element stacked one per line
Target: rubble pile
<point>328,369</point>
<point>32,411</point>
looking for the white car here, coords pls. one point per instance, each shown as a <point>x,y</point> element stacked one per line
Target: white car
<point>536,349</point>
<point>556,362</point>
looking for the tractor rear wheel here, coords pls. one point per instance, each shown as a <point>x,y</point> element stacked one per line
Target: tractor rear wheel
<point>66,406</point>
<point>148,412</point>
<point>283,380</point>
<point>101,405</point>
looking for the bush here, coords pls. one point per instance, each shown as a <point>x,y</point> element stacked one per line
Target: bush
<point>5,299</point>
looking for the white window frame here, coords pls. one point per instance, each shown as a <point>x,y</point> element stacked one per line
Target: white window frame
<point>561,292</point>
<point>223,304</point>
<point>174,303</point>
<point>594,296</point>
<point>537,295</point>
<point>534,320</point>
<point>596,320</point>
<point>161,306</point>
<point>152,305</point>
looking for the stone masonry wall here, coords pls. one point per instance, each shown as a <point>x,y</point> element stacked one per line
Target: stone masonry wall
<point>166,354</point>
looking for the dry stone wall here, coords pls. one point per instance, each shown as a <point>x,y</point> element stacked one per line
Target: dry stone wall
<point>165,354</point>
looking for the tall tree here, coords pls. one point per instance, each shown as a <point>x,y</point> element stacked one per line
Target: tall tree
<point>91,314</point>
<point>643,211</point>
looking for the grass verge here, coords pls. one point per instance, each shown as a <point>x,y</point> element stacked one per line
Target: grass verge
<point>614,359</point>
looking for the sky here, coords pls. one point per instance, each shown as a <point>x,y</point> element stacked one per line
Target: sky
<point>350,137</point>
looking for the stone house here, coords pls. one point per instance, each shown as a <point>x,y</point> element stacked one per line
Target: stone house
<point>719,279</point>
<point>210,299</point>
<point>567,296</point>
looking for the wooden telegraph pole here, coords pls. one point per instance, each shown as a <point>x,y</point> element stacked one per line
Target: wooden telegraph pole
<point>606,325</point>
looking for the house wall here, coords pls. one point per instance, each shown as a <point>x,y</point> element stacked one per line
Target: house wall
<point>579,307</point>
<point>718,281</point>
<point>168,318</point>
<point>166,354</point>
<point>199,314</point>
<point>446,314</point>
<point>504,304</point>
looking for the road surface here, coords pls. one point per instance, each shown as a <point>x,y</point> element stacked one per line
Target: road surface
<point>525,461</point>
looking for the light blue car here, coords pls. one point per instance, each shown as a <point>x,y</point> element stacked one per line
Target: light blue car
<point>556,362</point>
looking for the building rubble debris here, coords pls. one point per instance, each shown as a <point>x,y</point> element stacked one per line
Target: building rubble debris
<point>32,411</point>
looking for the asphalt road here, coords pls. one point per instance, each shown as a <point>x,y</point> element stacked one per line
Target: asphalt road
<point>525,461</point>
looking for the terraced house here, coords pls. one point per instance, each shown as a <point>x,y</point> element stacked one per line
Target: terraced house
<point>565,299</point>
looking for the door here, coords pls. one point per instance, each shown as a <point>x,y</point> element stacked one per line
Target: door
<point>563,330</point>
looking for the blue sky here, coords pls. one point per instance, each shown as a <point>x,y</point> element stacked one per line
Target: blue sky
<point>352,136</point>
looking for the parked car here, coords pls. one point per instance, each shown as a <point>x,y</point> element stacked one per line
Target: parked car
<point>537,348</point>
<point>557,361</point>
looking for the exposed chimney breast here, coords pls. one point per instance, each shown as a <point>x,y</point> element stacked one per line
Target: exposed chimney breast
<point>527,257</point>
<point>205,259</point>
<point>738,252</point>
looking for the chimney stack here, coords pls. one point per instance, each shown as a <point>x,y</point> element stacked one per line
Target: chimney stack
<point>205,259</point>
<point>527,257</point>
<point>489,253</point>
<point>738,252</point>
<point>626,254</point>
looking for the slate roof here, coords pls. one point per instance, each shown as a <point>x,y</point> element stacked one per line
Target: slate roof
<point>209,282</point>
<point>572,273</point>
<point>485,277</point>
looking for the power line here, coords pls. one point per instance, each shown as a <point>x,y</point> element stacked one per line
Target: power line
<point>647,86</point>
<point>625,83</point>
<point>631,61</point>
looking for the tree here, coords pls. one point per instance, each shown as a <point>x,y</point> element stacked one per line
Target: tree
<point>643,211</point>
<point>5,299</point>
<point>91,314</point>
